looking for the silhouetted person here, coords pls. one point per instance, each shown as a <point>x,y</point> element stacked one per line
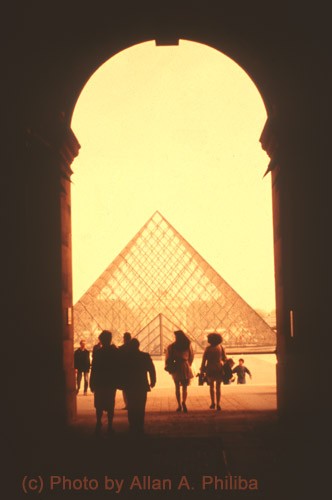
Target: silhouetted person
<point>212,364</point>
<point>181,353</point>
<point>122,349</point>
<point>138,365</point>
<point>103,380</point>
<point>95,348</point>
<point>82,367</point>
<point>228,374</point>
<point>241,371</point>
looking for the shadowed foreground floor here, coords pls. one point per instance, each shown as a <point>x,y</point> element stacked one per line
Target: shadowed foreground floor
<point>219,454</point>
<point>215,454</point>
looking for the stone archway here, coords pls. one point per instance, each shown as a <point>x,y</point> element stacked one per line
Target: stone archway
<point>42,147</point>
<point>158,42</point>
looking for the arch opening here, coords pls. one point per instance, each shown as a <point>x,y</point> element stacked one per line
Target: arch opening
<point>180,136</point>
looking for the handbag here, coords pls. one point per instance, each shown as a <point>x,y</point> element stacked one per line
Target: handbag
<point>201,378</point>
<point>170,365</point>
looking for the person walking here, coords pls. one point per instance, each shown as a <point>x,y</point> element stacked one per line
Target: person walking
<point>104,380</point>
<point>82,367</point>
<point>137,366</point>
<point>228,376</point>
<point>178,361</point>
<point>240,370</point>
<point>96,347</point>
<point>122,350</point>
<point>213,359</point>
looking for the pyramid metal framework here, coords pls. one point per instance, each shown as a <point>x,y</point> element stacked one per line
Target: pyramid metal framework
<point>159,283</point>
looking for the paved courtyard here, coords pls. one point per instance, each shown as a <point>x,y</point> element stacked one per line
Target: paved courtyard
<point>244,440</point>
<point>257,396</point>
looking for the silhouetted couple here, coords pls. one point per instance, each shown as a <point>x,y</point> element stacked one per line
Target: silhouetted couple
<point>128,370</point>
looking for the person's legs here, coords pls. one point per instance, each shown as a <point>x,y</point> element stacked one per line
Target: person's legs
<point>110,415</point>
<point>140,413</point>
<point>212,406</point>
<point>218,385</point>
<point>86,382</point>
<point>131,418</point>
<point>99,415</point>
<point>131,406</point>
<point>136,411</point>
<point>184,397</point>
<point>125,400</point>
<point>78,381</point>
<point>177,395</point>
<point>110,411</point>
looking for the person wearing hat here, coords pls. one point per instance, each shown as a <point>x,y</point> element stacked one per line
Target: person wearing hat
<point>213,359</point>
<point>104,380</point>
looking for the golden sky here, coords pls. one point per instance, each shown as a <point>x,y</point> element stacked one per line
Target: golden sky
<point>174,129</point>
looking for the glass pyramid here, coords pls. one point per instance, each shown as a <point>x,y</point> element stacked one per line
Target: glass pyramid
<point>159,283</point>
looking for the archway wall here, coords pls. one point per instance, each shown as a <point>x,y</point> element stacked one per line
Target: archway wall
<point>56,65</point>
<point>62,67</point>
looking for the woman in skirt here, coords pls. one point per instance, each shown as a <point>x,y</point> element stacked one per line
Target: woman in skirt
<point>180,354</point>
<point>212,364</point>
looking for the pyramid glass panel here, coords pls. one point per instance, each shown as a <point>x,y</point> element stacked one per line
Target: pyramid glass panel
<point>160,283</point>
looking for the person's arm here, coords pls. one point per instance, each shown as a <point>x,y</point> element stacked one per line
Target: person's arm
<point>92,379</point>
<point>168,354</point>
<point>152,373</point>
<point>204,359</point>
<point>247,371</point>
<point>191,355</point>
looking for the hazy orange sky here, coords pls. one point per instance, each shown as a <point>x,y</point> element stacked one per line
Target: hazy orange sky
<point>174,129</point>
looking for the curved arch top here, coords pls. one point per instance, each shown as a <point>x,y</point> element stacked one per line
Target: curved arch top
<point>93,69</point>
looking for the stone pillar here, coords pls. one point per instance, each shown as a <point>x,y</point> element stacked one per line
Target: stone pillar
<point>68,150</point>
<point>44,370</point>
<point>299,198</point>
<point>269,141</point>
